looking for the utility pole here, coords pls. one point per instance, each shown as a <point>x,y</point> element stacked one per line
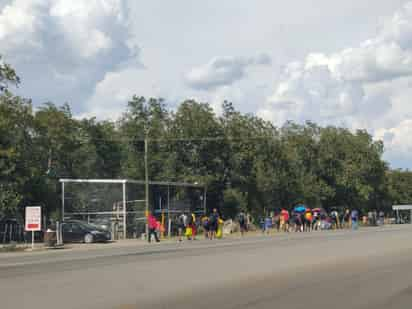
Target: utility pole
<point>146,173</point>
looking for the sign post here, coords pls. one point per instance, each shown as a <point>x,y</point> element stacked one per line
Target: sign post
<point>33,221</point>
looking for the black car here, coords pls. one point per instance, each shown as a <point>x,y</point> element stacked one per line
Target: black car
<point>102,224</point>
<point>79,231</point>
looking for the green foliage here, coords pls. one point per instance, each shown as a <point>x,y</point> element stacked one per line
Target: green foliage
<point>233,202</point>
<point>399,185</point>
<point>7,76</point>
<point>9,200</point>
<point>246,162</point>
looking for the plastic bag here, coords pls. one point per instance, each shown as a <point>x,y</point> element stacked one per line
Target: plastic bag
<point>219,233</point>
<point>188,232</point>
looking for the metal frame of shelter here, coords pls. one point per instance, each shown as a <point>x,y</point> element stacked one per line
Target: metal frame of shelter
<point>398,208</point>
<point>124,182</point>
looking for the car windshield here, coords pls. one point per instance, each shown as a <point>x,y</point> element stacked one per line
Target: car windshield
<point>87,226</point>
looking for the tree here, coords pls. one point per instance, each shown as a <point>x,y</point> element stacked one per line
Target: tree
<point>244,161</point>
<point>399,184</point>
<point>16,166</point>
<point>199,148</point>
<point>7,76</point>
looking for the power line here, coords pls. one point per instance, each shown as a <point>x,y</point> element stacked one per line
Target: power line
<point>184,139</point>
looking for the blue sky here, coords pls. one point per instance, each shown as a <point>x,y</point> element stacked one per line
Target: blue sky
<point>333,62</point>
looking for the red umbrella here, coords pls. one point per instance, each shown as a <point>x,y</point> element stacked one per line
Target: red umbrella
<point>316,210</point>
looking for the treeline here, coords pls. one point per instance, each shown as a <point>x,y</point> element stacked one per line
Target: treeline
<point>245,161</point>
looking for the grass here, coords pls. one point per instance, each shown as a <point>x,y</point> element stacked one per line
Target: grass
<point>12,248</point>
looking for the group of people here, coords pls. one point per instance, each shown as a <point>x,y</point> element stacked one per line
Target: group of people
<point>187,226</point>
<point>211,225</point>
<point>303,219</point>
<point>300,219</point>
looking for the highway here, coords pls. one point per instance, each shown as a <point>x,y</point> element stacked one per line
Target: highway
<point>369,268</point>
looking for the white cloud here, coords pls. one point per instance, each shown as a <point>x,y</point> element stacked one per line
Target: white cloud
<point>365,86</point>
<point>18,24</point>
<point>67,44</point>
<point>81,51</point>
<point>111,94</point>
<point>222,71</point>
<point>86,25</point>
<point>398,140</point>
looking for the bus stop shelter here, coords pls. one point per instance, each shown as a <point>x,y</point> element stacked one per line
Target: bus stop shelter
<point>399,208</point>
<point>122,197</point>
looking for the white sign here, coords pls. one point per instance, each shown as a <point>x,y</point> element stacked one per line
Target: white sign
<point>33,219</point>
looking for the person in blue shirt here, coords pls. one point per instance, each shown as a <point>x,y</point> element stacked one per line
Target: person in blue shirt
<point>355,219</point>
<point>268,224</point>
<point>262,224</point>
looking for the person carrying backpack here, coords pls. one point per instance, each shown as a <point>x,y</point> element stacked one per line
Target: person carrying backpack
<point>213,223</point>
<point>242,223</point>
<point>205,225</point>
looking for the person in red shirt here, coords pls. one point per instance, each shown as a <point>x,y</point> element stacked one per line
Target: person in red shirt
<point>152,223</point>
<point>284,215</point>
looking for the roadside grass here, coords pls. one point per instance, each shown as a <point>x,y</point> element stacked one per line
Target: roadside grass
<point>12,248</point>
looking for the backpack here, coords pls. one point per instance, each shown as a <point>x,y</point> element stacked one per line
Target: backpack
<point>242,218</point>
<point>212,219</point>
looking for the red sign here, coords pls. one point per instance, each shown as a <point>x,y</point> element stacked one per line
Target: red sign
<point>33,218</point>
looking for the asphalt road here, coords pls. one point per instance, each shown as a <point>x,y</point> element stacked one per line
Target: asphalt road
<point>370,268</point>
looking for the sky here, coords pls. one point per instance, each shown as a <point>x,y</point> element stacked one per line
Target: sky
<point>345,63</point>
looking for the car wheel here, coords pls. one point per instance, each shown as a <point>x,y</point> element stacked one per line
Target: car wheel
<point>88,238</point>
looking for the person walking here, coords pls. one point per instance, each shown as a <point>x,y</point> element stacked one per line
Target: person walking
<point>242,222</point>
<point>355,219</point>
<point>268,224</point>
<point>220,224</point>
<point>276,222</point>
<point>213,223</point>
<point>182,221</point>
<point>193,226</point>
<point>188,227</point>
<point>308,220</point>
<point>381,218</point>
<point>152,223</point>
<point>346,219</point>
<point>316,219</point>
<point>205,225</point>
<point>334,215</point>
<point>262,224</point>
<point>284,220</point>
<point>370,218</point>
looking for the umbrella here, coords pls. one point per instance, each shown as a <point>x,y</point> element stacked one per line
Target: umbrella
<point>316,210</point>
<point>300,208</point>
